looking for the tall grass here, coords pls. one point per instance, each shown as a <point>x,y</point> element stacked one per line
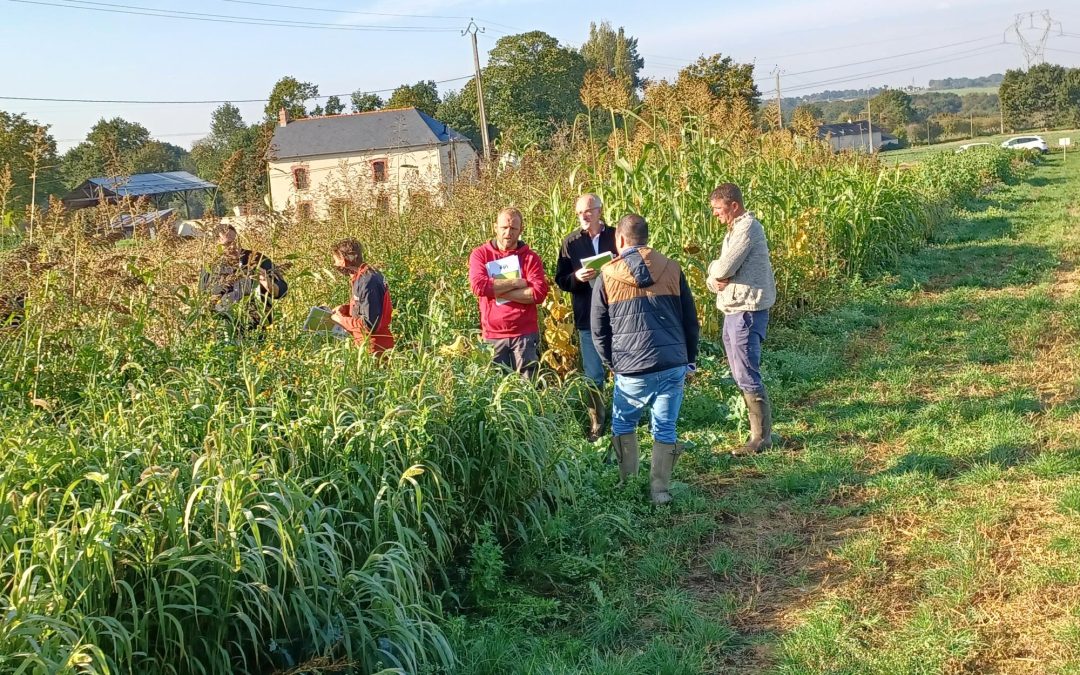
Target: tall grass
<point>172,501</point>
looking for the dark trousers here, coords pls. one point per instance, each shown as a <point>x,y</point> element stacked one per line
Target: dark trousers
<point>520,354</point>
<point>743,334</point>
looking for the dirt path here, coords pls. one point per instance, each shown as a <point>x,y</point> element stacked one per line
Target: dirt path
<point>921,518</point>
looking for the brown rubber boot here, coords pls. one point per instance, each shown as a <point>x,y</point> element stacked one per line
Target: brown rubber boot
<point>760,410</point>
<point>664,457</point>
<point>595,406</point>
<point>626,452</point>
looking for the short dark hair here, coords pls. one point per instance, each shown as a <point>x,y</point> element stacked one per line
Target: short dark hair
<point>728,192</point>
<point>351,250</point>
<point>633,229</point>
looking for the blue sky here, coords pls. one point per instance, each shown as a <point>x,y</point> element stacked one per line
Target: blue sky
<point>69,52</point>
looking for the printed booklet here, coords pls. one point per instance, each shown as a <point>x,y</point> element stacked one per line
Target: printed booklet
<point>595,262</point>
<point>319,321</point>
<point>504,268</point>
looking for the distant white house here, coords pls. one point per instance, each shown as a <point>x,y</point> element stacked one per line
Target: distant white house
<point>378,159</point>
<point>851,136</point>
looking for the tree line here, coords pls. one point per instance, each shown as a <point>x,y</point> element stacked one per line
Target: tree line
<point>966,82</point>
<point>1044,96</point>
<point>908,116</point>
<point>535,89</point>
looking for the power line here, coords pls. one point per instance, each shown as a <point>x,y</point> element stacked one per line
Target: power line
<point>347,11</point>
<point>886,58</point>
<point>486,22</point>
<point>156,136</point>
<point>951,31</point>
<point>226,18</point>
<point>232,100</point>
<point>961,55</point>
<point>1063,51</point>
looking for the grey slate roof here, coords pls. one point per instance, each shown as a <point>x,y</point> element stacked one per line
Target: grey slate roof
<point>359,132</point>
<point>849,129</point>
<point>138,185</point>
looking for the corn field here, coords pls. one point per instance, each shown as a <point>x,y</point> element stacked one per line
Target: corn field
<point>174,501</point>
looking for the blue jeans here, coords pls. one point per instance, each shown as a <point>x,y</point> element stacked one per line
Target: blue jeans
<point>590,359</point>
<point>743,334</point>
<point>661,391</point>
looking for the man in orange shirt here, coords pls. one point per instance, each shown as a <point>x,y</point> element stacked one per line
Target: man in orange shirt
<point>367,314</point>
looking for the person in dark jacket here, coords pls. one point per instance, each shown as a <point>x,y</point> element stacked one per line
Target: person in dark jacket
<point>367,314</point>
<point>645,328</point>
<point>244,283</point>
<point>592,238</point>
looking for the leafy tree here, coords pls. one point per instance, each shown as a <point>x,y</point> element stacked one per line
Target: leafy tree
<point>1068,103</point>
<point>726,79</point>
<point>22,141</point>
<point>363,101</point>
<point>965,82</point>
<point>935,103</point>
<point>118,147</point>
<point>891,110</point>
<point>979,104</point>
<point>291,94</point>
<point>458,109</point>
<point>243,173</point>
<point>228,135</point>
<point>948,123</point>
<point>333,106</point>
<point>841,111</point>
<point>533,85</point>
<point>225,124</point>
<point>232,155</point>
<point>615,54</point>
<point>1032,99</point>
<point>423,96</point>
<point>156,156</point>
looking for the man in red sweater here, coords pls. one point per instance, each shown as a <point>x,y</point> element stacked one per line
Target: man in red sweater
<point>509,291</point>
<point>367,314</point>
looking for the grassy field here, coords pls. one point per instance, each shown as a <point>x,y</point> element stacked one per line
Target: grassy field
<point>179,500</point>
<point>917,153</point>
<point>965,90</point>
<point>923,515</point>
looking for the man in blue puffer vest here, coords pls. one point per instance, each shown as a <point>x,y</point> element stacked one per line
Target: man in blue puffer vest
<point>645,328</point>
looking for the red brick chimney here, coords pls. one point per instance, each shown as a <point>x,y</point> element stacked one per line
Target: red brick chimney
<point>283,117</point>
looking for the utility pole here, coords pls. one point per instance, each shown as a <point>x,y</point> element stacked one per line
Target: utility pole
<point>473,29</point>
<point>1032,38</point>
<point>779,110</point>
<point>869,122</point>
<point>971,121</point>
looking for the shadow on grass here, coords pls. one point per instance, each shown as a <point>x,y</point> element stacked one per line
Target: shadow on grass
<point>946,467</point>
<point>888,392</point>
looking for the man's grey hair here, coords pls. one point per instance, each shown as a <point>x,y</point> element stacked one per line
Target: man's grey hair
<point>594,200</point>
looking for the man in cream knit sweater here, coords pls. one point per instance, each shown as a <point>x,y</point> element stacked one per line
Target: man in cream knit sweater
<point>742,278</point>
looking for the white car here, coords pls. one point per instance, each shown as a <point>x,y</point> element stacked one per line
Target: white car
<point>969,146</point>
<point>1026,143</point>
